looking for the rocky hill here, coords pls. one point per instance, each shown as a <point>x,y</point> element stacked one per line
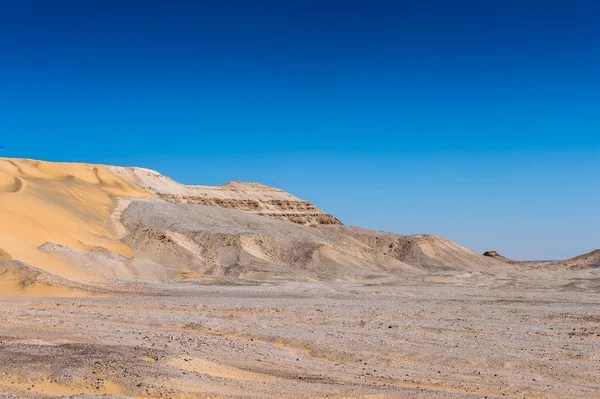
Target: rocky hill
<point>96,223</point>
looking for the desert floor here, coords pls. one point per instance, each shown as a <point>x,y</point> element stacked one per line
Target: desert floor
<point>535,334</point>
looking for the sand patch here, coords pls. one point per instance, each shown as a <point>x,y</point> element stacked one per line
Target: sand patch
<point>51,388</point>
<point>4,255</point>
<point>21,280</point>
<point>202,366</point>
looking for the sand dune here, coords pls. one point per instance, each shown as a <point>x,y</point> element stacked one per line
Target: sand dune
<point>68,204</point>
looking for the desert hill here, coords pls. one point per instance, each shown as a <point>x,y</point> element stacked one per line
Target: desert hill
<point>589,260</point>
<point>585,261</point>
<point>95,223</point>
<point>225,242</point>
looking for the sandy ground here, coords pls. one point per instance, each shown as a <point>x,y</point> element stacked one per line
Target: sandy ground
<point>526,335</point>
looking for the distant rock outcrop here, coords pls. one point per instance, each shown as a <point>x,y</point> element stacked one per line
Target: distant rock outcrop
<point>497,256</point>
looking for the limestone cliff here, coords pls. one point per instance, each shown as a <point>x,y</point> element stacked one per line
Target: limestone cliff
<point>250,197</point>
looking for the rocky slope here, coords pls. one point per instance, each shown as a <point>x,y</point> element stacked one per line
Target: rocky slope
<point>198,240</point>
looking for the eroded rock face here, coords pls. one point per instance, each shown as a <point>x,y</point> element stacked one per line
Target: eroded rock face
<point>249,197</point>
<point>491,254</point>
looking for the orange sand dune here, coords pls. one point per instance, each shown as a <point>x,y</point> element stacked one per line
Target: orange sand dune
<point>63,203</point>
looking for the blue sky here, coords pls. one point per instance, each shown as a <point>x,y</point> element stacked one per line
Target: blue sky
<point>478,121</point>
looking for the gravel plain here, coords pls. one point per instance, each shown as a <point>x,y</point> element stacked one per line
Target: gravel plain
<point>526,335</point>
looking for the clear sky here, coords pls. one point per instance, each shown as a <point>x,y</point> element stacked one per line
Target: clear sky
<point>475,120</point>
